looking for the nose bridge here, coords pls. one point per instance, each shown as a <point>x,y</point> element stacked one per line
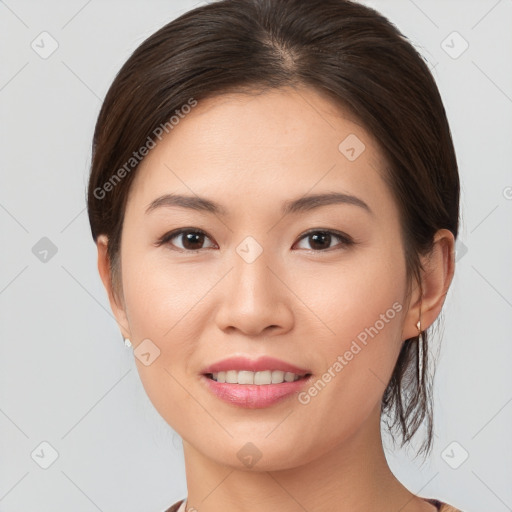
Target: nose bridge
<point>254,298</point>
<point>251,273</point>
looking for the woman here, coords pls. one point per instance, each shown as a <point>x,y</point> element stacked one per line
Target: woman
<point>274,196</point>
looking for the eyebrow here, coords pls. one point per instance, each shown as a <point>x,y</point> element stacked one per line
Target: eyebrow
<point>303,204</point>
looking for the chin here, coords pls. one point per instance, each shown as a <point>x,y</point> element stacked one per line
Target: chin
<point>258,456</point>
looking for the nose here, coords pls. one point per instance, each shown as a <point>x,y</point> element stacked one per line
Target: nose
<point>255,298</point>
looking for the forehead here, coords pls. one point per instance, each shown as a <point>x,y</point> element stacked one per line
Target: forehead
<point>268,145</point>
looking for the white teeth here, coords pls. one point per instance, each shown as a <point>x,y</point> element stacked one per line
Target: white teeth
<point>277,377</point>
<point>232,377</point>
<point>289,377</point>
<point>245,377</point>
<point>264,377</point>
<point>259,378</point>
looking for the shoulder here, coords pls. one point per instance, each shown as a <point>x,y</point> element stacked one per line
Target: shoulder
<point>442,507</point>
<point>448,508</point>
<point>175,507</point>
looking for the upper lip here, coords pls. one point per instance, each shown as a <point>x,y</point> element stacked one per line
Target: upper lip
<point>241,363</point>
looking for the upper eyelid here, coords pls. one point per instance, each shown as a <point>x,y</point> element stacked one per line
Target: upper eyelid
<point>345,238</point>
<point>180,231</point>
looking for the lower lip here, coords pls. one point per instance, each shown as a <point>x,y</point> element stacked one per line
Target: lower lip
<point>252,396</point>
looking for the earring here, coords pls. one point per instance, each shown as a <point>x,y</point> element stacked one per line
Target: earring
<point>127,342</point>
<point>420,351</point>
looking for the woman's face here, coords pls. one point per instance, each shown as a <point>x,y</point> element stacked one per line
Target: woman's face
<point>318,285</point>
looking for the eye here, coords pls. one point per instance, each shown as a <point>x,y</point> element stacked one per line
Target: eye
<point>192,239</point>
<point>320,240</point>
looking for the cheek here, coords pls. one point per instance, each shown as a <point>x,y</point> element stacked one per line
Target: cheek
<point>352,295</point>
<point>362,308</point>
<point>162,303</point>
<point>160,296</point>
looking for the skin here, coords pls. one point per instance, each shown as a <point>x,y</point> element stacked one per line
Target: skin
<point>296,301</point>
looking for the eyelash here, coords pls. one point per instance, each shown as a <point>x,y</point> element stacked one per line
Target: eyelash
<point>346,241</point>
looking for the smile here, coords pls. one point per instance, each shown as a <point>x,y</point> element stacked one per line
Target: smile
<point>260,378</point>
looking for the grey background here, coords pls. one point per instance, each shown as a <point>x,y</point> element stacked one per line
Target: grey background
<point>66,377</point>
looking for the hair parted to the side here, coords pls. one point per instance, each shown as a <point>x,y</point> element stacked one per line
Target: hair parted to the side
<point>338,47</point>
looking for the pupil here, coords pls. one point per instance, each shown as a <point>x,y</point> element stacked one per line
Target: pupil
<point>194,238</point>
<point>322,240</point>
<point>324,236</point>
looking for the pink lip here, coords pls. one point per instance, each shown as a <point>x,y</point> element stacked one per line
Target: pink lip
<point>252,396</point>
<point>254,365</point>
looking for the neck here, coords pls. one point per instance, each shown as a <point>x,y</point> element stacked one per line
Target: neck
<point>352,476</point>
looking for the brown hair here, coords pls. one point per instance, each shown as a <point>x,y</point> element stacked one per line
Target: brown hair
<point>339,47</point>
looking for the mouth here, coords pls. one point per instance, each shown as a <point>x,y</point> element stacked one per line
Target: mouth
<point>259,378</point>
<point>254,383</point>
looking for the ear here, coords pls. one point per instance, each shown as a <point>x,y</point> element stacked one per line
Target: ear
<point>116,303</point>
<point>439,268</point>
